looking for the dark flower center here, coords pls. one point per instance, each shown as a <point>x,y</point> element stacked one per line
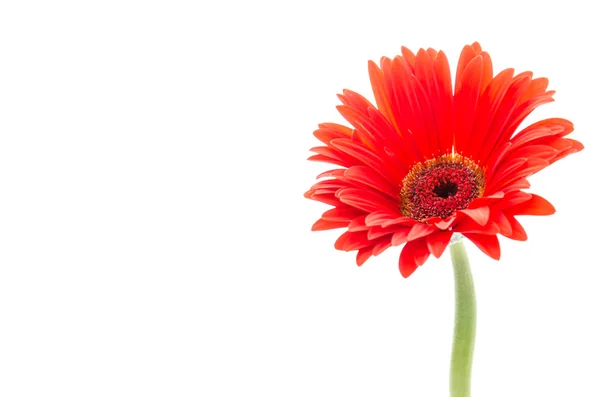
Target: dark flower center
<point>446,189</point>
<point>441,186</point>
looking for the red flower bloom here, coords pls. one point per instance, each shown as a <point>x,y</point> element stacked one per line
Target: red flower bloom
<point>426,162</point>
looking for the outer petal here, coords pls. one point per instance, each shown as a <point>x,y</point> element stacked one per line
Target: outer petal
<point>466,98</point>
<point>350,241</point>
<point>480,215</point>
<point>487,243</point>
<point>413,255</point>
<point>381,96</point>
<point>341,214</point>
<point>322,224</point>
<point>536,205</point>
<point>437,242</point>
<point>364,254</point>
<point>517,231</point>
<point>420,230</point>
<point>400,236</point>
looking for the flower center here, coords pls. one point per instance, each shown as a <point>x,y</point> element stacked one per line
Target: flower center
<point>438,187</point>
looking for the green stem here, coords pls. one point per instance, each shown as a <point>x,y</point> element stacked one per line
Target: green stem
<point>465,319</point>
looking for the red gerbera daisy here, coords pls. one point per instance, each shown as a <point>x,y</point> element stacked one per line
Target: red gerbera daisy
<point>427,162</point>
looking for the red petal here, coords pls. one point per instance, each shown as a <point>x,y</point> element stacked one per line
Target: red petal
<point>377,232</point>
<point>381,96</point>
<point>491,101</point>
<point>420,230</point>
<point>409,56</point>
<point>466,97</point>
<point>444,111</point>
<point>498,133</point>
<point>358,224</point>
<point>445,224</point>
<point>489,244</point>
<point>326,159</point>
<point>503,223</point>
<point>341,241</point>
<point>341,214</point>
<point>466,55</point>
<point>368,177</point>
<point>332,173</point>
<point>401,220</point>
<point>516,185</point>
<point>364,254</point>
<point>513,199</point>
<point>355,100</point>
<point>535,206</point>
<point>467,225</point>
<point>366,200</point>
<point>327,132</point>
<point>413,255</point>
<point>437,242</point>
<point>518,232</point>
<point>505,170</point>
<point>576,144</point>
<point>541,151</point>
<point>333,155</point>
<point>350,241</point>
<point>327,198</point>
<point>538,86</point>
<point>530,167</point>
<point>400,236</point>
<point>378,218</point>
<point>542,129</point>
<point>361,154</point>
<point>480,215</point>
<point>370,134</point>
<point>486,200</point>
<point>327,225</point>
<point>487,70</point>
<point>381,246</point>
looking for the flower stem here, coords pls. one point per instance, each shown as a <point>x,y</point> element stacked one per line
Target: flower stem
<point>465,319</point>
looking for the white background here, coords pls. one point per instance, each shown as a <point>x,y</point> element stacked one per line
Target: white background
<point>154,240</point>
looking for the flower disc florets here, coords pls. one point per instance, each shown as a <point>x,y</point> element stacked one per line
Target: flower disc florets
<point>441,186</point>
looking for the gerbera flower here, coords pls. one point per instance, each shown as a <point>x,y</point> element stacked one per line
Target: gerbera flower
<point>427,162</point>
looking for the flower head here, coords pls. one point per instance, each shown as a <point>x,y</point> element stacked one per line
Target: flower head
<point>428,161</point>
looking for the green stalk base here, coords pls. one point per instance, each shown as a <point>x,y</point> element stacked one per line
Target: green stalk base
<point>465,319</point>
